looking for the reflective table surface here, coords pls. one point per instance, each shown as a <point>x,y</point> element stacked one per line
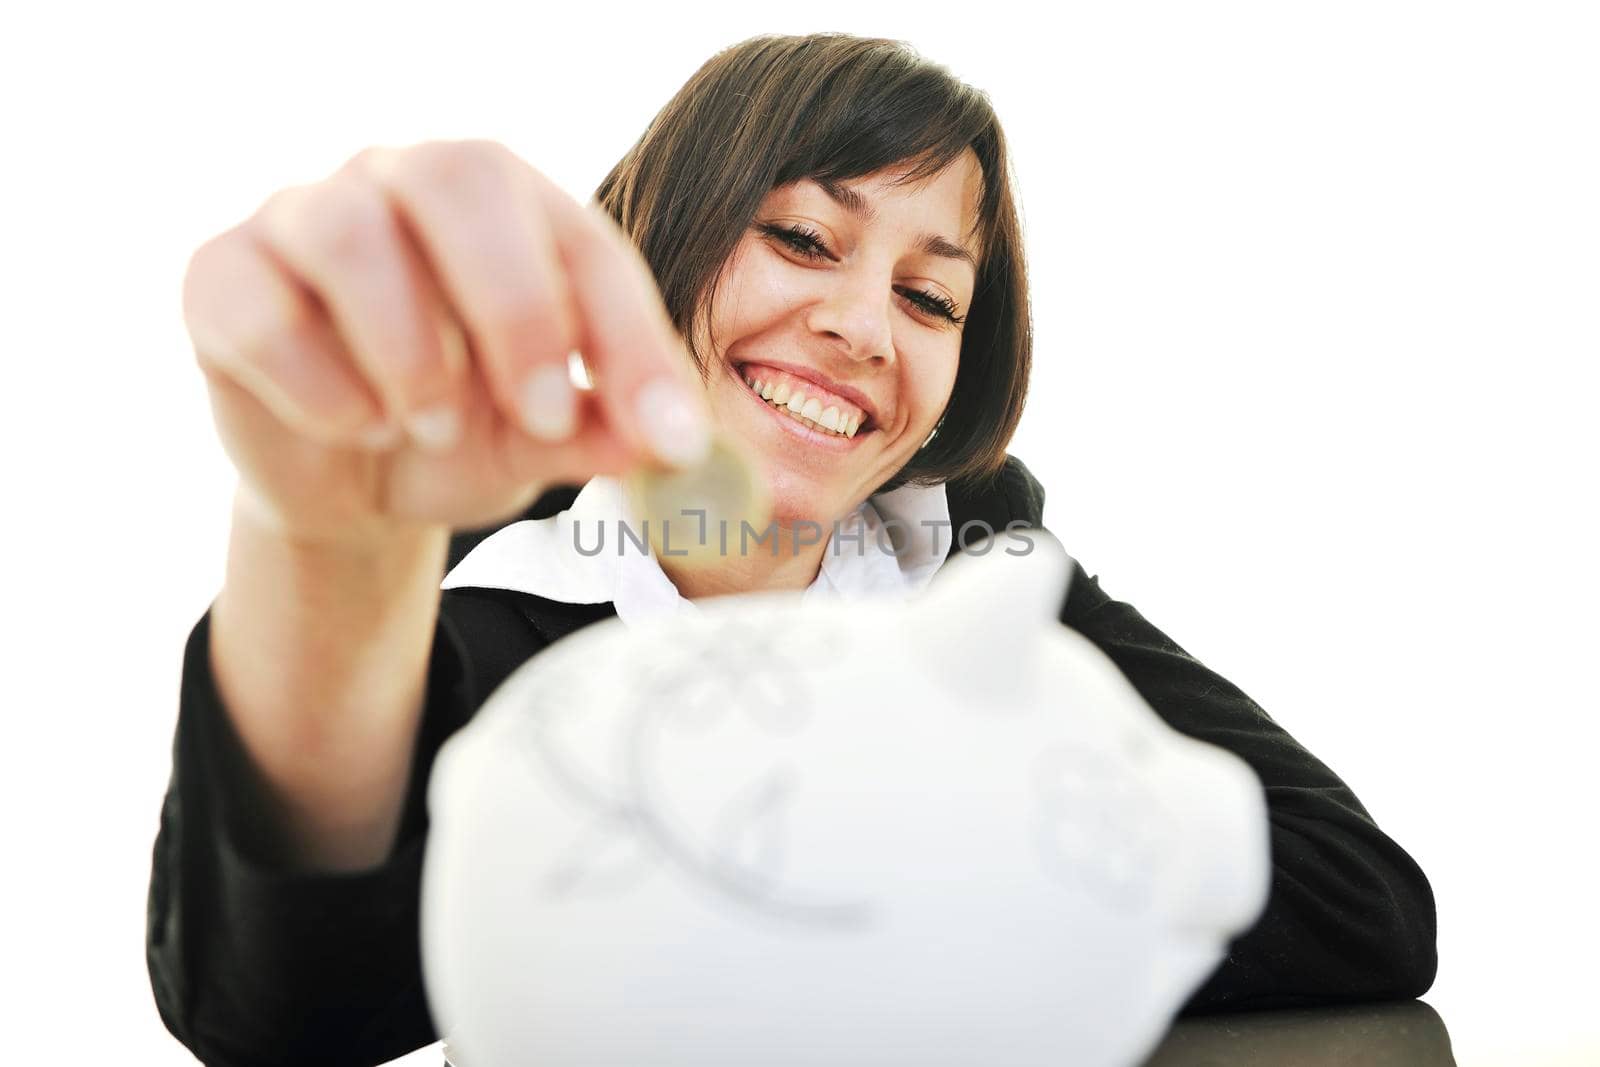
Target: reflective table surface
<point>1405,1033</point>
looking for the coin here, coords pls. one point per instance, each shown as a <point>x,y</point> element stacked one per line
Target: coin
<point>696,515</point>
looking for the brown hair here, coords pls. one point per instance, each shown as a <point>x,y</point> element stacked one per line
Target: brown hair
<point>831,106</point>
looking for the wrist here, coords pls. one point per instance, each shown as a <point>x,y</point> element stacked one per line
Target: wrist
<point>337,579</point>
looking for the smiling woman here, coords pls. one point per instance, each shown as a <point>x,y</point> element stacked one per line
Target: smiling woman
<point>840,230</point>
<point>880,190</point>
<point>814,249</point>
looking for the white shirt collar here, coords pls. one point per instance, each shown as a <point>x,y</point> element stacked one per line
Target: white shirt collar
<point>540,556</point>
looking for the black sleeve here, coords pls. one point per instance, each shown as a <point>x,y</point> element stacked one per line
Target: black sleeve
<point>253,963</point>
<point>1350,916</point>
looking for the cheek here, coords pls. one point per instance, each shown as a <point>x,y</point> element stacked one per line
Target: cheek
<point>755,288</point>
<point>938,383</point>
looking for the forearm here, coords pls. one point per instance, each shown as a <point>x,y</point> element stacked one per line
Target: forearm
<point>320,655</point>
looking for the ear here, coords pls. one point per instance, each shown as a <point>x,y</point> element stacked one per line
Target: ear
<point>978,623</point>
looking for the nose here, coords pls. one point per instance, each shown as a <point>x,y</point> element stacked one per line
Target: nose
<point>856,313</point>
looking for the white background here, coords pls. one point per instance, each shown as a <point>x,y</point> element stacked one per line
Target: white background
<point>1317,323</point>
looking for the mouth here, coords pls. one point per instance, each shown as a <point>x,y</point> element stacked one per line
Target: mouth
<point>805,410</point>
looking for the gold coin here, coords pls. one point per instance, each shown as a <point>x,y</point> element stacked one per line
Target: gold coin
<point>697,515</point>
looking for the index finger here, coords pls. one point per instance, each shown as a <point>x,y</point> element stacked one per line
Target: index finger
<point>643,377</point>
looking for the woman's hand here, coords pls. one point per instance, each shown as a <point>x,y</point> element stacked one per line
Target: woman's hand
<point>388,347</point>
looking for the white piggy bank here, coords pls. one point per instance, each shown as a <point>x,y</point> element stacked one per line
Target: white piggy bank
<point>857,832</point>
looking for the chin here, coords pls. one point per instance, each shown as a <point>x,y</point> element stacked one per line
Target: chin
<point>796,497</point>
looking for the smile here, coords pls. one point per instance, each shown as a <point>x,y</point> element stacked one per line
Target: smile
<point>820,405</point>
<point>803,410</point>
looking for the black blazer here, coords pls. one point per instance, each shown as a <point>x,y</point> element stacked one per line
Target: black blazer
<point>252,963</point>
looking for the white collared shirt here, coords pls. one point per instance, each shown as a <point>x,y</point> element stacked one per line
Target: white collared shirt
<point>541,556</point>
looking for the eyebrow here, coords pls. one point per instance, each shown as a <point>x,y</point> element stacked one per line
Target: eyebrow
<point>931,244</point>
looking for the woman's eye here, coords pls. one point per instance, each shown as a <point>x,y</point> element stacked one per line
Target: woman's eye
<point>936,304</point>
<point>808,243</point>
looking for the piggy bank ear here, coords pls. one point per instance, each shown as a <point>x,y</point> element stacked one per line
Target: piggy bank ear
<point>978,623</point>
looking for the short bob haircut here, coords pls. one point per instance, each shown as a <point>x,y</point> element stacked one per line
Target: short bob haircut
<point>775,109</point>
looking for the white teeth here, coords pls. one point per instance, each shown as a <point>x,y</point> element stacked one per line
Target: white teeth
<point>806,409</point>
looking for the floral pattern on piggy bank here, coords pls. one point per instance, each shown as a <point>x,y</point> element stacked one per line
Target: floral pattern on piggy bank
<point>946,831</point>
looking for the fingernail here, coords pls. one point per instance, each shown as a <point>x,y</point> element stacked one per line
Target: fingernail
<point>578,368</point>
<point>549,405</point>
<point>436,429</point>
<point>673,423</point>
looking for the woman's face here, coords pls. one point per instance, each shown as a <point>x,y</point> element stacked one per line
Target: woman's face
<point>851,323</point>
